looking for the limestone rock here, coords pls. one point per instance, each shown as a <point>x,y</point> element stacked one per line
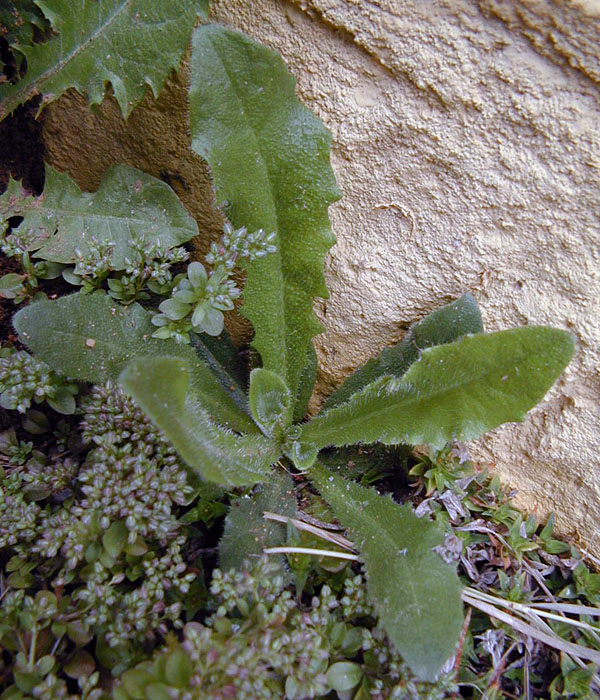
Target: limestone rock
<point>466,145</point>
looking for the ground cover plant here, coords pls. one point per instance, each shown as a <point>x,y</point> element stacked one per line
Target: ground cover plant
<point>111,513</point>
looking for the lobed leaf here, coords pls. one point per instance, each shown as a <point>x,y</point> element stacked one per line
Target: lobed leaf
<point>456,391</point>
<point>129,44</point>
<point>415,593</point>
<point>17,22</point>
<point>269,157</point>
<point>129,204</point>
<point>160,386</point>
<point>246,532</point>
<point>442,326</point>
<point>92,338</point>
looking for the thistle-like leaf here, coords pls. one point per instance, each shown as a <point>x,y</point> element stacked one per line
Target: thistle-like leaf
<point>129,205</point>
<point>269,157</point>
<point>456,391</point>
<point>415,593</point>
<point>17,21</point>
<point>246,532</point>
<point>270,402</point>
<point>160,386</point>
<point>442,326</point>
<point>131,44</point>
<point>90,337</point>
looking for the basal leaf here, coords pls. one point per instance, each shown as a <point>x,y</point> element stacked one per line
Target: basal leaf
<point>128,205</point>
<point>415,593</point>
<point>90,337</point>
<point>130,44</point>
<point>306,384</point>
<point>160,386</point>
<point>269,157</point>
<point>456,391</point>
<point>270,401</point>
<point>17,20</point>
<point>246,532</point>
<point>444,325</point>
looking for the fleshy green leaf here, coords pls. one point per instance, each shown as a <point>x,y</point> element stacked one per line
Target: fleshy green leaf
<point>270,401</point>
<point>343,676</point>
<point>442,326</point>
<point>269,157</point>
<point>115,538</point>
<point>130,44</point>
<point>90,337</point>
<point>129,204</point>
<point>246,532</point>
<point>415,593</point>
<point>160,386</point>
<point>456,391</point>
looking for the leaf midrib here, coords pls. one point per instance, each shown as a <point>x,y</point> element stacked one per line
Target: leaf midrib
<point>277,253</point>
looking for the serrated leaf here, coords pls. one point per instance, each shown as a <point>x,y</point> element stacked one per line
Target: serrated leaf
<point>92,338</point>
<point>269,157</point>
<point>415,593</point>
<point>246,532</point>
<point>442,326</point>
<point>456,391</point>
<point>270,401</point>
<point>128,205</point>
<point>131,44</point>
<point>160,386</point>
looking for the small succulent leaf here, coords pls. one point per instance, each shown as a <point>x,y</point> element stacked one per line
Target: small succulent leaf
<point>246,532</point>
<point>131,44</point>
<point>103,336</point>
<point>115,538</point>
<point>342,676</point>
<point>445,325</point>
<point>306,384</point>
<point>197,275</point>
<point>415,593</point>
<point>128,205</point>
<point>160,386</point>
<point>270,401</point>
<point>212,323</point>
<point>456,391</point>
<point>245,120</point>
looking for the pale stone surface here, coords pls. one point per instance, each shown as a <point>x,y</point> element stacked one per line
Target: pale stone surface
<point>466,145</point>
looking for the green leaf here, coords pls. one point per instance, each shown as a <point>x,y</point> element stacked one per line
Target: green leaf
<point>246,532</point>
<point>306,384</point>
<point>343,676</point>
<point>115,538</point>
<point>130,44</point>
<point>128,205</point>
<point>444,325</point>
<point>269,157</point>
<point>160,386</point>
<point>415,593</point>
<point>270,402</point>
<point>456,391</point>
<point>17,20</point>
<point>102,337</point>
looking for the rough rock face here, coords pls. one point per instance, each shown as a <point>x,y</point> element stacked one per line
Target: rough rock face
<point>466,145</point>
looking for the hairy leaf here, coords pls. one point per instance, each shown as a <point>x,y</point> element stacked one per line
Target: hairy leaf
<point>444,325</point>
<point>246,532</point>
<point>90,337</point>
<point>306,384</point>
<point>270,401</point>
<point>160,386</point>
<point>130,44</point>
<point>415,593</point>
<point>129,204</point>
<point>269,157</point>
<point>456,391</point>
